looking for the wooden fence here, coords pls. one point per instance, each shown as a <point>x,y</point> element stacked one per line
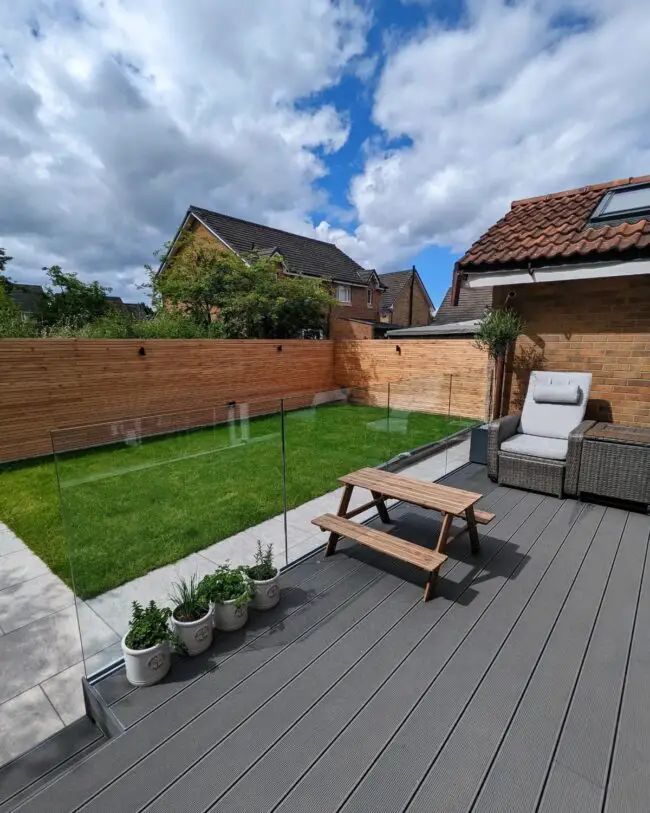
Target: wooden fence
<point>102,391</point>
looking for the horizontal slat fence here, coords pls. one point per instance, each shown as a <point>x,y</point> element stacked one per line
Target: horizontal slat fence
<point>425,375</point>
<point>51,384</point>
<point>104,391</point>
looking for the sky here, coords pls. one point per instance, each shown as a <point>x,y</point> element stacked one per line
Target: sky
<point>398,129</point>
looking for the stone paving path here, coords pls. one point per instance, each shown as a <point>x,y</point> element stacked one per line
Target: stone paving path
<point>46,644</point>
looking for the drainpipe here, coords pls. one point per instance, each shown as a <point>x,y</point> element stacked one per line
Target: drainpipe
<point>411,302</point>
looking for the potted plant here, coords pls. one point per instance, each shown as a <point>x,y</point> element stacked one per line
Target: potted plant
<point>147,644</point>
<point>264,575</point>
<point>229,591</point>
<point>497,331</point>
<point>191,616</point>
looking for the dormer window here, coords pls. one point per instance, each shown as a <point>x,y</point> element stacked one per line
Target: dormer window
<point>623,203</point>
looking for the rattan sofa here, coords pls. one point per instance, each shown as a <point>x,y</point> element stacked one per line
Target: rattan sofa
<point>540,448</point>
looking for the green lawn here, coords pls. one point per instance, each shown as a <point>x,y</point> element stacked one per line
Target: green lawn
<point>128,509</point>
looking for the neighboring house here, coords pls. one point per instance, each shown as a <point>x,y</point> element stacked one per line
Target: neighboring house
<point>138,310</point>
<point>29,298</point>
<point>357,290</point>
<point>576,266</point>
<point>405,302</point>
<point>450,320</point>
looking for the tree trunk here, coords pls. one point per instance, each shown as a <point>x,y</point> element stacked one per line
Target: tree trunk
<point>499,366</point>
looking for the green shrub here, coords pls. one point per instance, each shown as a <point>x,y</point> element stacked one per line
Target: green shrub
<point>189,603</point>
<point>148,626</point>
<point>227,584</point>
<point>263,569</point>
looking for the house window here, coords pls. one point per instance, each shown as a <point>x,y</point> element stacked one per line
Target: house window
<point>344,294</point>
<point>623,203</point>
<point>369,297</point>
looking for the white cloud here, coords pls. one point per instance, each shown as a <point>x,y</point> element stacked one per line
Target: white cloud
<point>523,99</point>
<point>116,116</point>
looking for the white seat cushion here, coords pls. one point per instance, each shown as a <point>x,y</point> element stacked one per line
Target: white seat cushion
<point>550,448</point>
<point>554,420</point>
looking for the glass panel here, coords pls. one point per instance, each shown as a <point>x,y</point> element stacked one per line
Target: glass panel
<point>146,499</point>
<point>423,412</point>
<point>327,435</point>
<point>628,199</point>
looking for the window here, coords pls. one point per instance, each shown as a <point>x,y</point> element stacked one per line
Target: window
<point>369,297</point>
<point>344,294</point>
<point>623,203</point>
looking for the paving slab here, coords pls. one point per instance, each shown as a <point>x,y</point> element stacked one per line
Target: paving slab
<point>25,721</point>
<point>65,694</point>
<point>9,542</point>
<point>19,566</point>
<point>32,599</point>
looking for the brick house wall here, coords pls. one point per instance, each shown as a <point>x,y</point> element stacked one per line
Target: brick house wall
<point>402,307</point>
<point>600,326</point>
<point>343,329</point>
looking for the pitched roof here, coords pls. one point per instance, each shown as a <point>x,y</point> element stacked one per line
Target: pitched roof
<point>29,298</point>
<point>303,255</point>
<point>395,282</point>
<point>554,229</point>
<point>472,303</point>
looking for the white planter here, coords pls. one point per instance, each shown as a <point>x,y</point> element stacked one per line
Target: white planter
<point>266,593</point>
<point>196,635</point>
<point>144,667</point>
<point>228,617</point>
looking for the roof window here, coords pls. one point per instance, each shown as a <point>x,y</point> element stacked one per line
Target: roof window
<point>623,203</point>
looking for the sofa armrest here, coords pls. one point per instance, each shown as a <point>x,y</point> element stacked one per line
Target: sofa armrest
<point>573,457</point>
<point>498,431</point>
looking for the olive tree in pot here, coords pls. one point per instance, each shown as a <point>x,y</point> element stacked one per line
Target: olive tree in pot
<point>264,575</point>
<point>497,331</point>
<point>229,591</point>
<point>147,644</point>
<point>192,615</point>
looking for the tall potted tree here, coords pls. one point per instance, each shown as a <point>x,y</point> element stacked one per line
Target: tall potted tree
<point>498,330</point>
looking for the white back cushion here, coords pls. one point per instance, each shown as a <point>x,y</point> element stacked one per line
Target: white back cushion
<point>552,420</point>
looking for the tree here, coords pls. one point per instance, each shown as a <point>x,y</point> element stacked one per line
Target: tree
<point>242,299</point>
<point>497,331</point>
<point>4,259</point>
<point>75,303</point>
<point>12,324</point>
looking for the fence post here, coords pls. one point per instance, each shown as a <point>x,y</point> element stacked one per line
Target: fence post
<point>284,481</point>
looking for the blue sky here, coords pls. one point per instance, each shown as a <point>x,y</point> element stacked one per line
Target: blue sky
<point>398,129</point>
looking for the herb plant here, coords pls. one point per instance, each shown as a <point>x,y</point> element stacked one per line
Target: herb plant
<point>263,569</point>
<point>148,626</point>
<point>189,603</point>
<point>227,584</point>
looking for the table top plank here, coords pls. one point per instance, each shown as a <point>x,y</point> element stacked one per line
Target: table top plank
<point>619,433</point>
<point>398,486</point>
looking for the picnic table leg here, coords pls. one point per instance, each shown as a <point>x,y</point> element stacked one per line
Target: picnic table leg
<point>343,507</point>
<point>471,529</point>
<point>381,507</point>
<point>430,587</point>
<point>447,519</point>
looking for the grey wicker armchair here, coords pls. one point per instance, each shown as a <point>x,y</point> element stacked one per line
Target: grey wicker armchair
<point>540,448</point>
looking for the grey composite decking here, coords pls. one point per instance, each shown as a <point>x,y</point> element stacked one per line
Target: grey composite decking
<point>522,686</point>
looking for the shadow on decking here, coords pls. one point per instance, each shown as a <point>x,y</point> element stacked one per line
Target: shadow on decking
<point>422,528</point>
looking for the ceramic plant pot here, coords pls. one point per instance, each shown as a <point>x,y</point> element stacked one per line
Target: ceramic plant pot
<point>266,593</point>
<point>144,667</point>
<point>228,617</point>
<point>196,635</point>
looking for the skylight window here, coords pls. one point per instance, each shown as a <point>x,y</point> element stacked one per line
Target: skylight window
<point>624,203</point>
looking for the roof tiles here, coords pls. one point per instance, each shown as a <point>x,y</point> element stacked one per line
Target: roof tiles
<point>555,228</point>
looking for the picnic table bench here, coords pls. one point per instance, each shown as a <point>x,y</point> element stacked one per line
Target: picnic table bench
<point>383,485</point>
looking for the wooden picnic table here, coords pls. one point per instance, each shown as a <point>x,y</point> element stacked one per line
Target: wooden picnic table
<point>383,485</point>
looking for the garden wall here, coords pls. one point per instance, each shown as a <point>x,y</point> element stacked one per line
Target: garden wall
<point>427,375</point>
<point>53,383</point>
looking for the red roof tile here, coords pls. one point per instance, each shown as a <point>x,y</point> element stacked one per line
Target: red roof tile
<point>555,228</point>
